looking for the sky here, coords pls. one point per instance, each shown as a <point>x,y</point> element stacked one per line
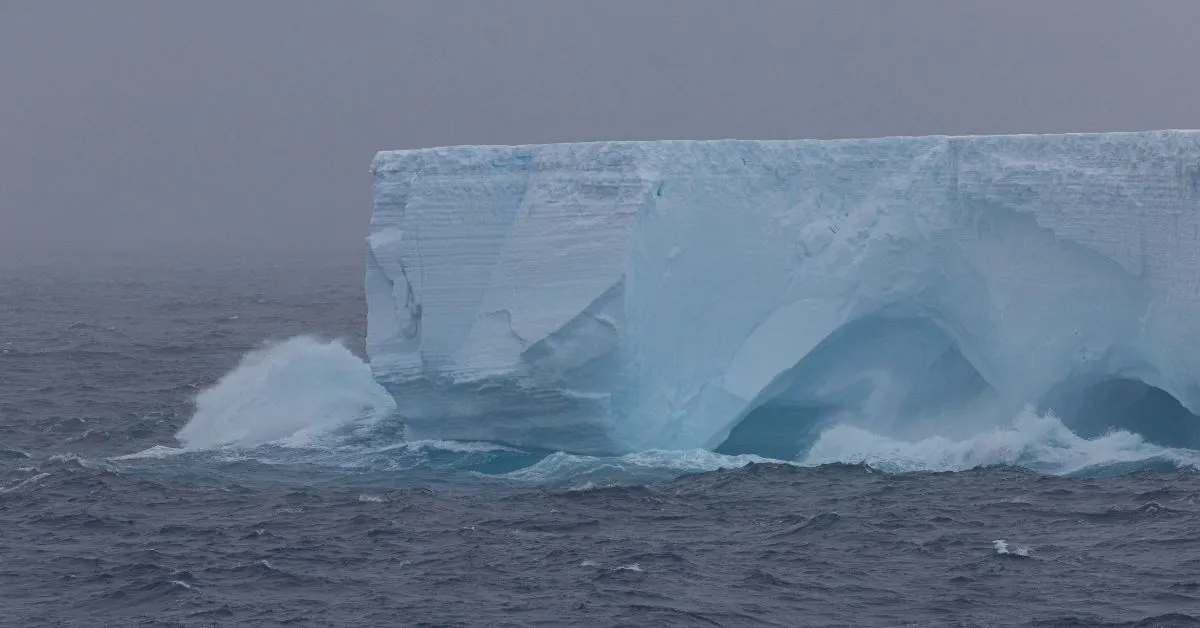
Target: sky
<point>225,127</point>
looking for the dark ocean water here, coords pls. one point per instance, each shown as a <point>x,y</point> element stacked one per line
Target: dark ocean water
<point>288,508</point>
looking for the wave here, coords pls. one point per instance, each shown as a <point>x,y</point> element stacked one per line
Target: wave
<point>313,402</point>
<point>294,391</point>
<point>1036,441</point>
<point>562,466</point>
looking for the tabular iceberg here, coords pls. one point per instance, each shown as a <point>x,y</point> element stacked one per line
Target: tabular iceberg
<point>620,296</point>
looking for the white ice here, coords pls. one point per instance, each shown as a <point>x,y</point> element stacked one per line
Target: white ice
<point>621,296</point>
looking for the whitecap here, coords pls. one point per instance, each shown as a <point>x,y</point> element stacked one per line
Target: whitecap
<point>1003,548</point>
<point>454,446</point>
<point>153,453</point>
<point>1038,441</point>
<point>23,483</point>
<point>290,393</point>
<point>561,465</point>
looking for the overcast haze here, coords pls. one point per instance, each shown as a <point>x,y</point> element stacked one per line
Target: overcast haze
<point>226,126</point>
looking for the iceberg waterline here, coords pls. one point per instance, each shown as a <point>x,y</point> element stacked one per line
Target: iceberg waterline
<point>745,297</point>
<point>340,421</point>
<point>310,401</point>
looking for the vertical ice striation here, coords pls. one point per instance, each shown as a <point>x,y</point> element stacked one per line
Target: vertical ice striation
<point>616,296</point>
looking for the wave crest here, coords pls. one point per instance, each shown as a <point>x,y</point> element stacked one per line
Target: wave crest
<point>1037,441</point>
<point>292,391</point>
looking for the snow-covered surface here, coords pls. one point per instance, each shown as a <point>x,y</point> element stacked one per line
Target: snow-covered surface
<point>620,296</point>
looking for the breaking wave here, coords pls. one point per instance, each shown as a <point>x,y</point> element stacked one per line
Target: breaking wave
<point>564,466</point>
<point>1037,441</point>
<point>295,390</point>
<point>313,402</point>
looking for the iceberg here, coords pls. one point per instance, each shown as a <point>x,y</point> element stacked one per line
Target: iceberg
<point>611,297</point>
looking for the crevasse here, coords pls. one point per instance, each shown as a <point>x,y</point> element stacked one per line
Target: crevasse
<point>739,295</point>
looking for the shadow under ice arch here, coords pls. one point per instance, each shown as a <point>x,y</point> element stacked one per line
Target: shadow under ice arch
<point>891,369</point>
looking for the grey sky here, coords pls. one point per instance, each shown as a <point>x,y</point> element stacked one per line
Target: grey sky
<point>232,125</point>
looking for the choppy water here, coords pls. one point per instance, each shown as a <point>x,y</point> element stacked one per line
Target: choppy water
<point>160,466</point>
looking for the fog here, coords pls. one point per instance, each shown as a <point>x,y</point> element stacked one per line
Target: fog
<point>219,128</point>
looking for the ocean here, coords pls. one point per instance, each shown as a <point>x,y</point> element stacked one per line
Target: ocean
<point>202,445</point>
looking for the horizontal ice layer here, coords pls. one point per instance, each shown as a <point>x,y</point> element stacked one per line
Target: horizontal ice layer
<point>618,296</point>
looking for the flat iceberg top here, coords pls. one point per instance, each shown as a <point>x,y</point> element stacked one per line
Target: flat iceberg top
<point>621,295</point>
<point>678,155</point>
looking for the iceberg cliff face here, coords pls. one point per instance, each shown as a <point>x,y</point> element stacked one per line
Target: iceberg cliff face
<point>619,296</point>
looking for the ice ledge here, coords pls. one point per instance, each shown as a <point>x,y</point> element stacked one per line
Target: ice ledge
<point>1041,257</point>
